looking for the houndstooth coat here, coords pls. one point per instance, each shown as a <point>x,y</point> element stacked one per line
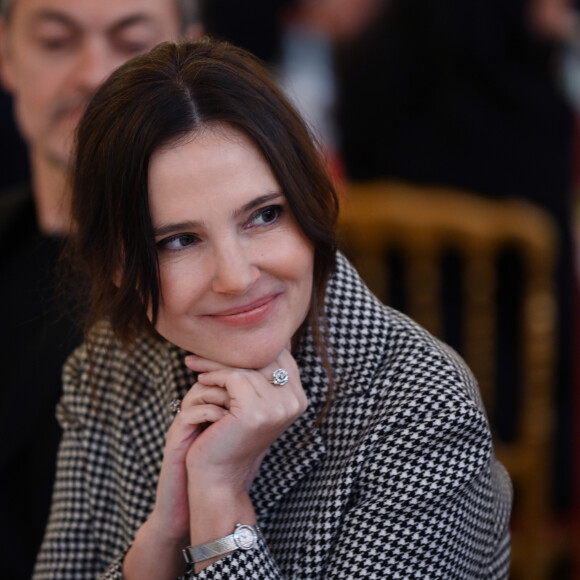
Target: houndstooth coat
<point>400,481</point>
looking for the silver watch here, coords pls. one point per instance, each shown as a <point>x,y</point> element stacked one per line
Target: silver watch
<point>244,537</point>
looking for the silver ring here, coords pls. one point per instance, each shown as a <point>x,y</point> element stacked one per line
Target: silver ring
<point>280,377</point>
<point>175,406</point>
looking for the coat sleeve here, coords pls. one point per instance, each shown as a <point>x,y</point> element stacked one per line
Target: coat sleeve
<point>70,548</point>
<point>428,493</point>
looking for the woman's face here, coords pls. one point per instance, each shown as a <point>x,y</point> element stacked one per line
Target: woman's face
<point>235,268</point>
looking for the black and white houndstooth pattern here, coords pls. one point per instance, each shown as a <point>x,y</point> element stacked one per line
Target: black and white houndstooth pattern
<point>400,482</point>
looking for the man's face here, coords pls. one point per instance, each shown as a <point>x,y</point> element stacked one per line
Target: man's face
<point>55,53</point>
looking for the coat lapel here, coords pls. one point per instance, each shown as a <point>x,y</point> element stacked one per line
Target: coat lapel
<point>147,423</point>
<point>299,449</point>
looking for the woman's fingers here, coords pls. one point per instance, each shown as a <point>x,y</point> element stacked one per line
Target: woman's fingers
<point>201,394</point>
<point>202,365</point>
<point>226,378</point>
<point>201,414</point>
<point>171,512</point>
<point>243,384</point>
<point>286,362</point>
<point>232,449</point>
<point>187,425</point>
<point>254,400</point>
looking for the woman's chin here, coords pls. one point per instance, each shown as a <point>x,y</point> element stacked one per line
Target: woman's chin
<point>257,358</point>
<point>250,362</point>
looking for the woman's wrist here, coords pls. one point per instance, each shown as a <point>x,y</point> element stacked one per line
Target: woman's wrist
<point>214,512</point>
<point>211,523</point>
<point>161,532</point>
<point>243,537</point>
<point>154,554</point>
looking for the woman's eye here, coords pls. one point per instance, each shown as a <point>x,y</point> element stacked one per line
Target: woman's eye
<point>266,215</point>
<point>176,243</point>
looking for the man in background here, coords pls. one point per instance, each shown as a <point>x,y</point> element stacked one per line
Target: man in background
<point>54,54</point>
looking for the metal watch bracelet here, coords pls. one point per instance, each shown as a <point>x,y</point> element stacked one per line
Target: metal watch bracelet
<point>244,537</point>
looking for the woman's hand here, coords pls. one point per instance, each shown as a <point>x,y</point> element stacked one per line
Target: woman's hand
<point>171,511</point>
<point>156,551</point>
<point>229,451</point>
<point>226,455</point>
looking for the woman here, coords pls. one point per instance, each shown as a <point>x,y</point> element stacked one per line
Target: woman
<point>318,434</point>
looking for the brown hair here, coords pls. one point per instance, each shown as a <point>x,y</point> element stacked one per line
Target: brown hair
<point>151,102</point>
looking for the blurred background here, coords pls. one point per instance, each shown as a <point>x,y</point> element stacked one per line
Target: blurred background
<point>460,119</point>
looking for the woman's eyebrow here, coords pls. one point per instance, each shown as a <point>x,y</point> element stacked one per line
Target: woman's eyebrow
<point>257,202</point>
<point>170,228</point>
<point>175,227</point>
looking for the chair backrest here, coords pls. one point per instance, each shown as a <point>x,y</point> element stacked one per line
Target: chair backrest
<point>422,223</point>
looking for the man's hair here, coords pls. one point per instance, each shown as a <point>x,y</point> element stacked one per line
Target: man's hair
<point>188,11</point>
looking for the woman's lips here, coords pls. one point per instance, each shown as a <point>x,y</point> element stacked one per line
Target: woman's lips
<point>247,314</point>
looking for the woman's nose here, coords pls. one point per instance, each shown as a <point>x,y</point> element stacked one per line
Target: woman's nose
<point>234,269</point>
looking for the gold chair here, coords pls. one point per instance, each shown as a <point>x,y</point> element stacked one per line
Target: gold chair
<point>422,222</point>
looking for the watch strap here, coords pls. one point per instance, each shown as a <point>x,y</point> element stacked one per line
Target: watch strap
<point>244,537</point>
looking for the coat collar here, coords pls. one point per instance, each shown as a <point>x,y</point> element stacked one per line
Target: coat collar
<point>358,330</point>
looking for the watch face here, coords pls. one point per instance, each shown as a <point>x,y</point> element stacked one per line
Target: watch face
<point>245,537</point>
